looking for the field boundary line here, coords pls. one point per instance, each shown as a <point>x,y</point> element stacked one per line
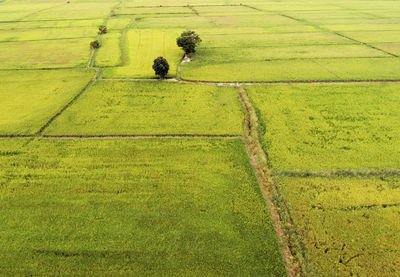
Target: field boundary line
<point>357,208</point>
<point>122,46</point>
<point>196,12</point>
<point>259,162</point>
<point>235,84</point>
<point>352,172</point>
<point>72,101</point>
<point>254,8</point>
<point>324,67</point>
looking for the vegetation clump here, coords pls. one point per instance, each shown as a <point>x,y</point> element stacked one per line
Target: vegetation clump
<point>95,44</point>
<point>102,30</point>
<point>188,41</point>
<point>161,67</point>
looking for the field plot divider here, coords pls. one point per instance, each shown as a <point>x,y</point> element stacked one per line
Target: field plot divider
<point>235,84</point>
<point>73,100</point>
<point>334,173</point>
<point>291,247</point>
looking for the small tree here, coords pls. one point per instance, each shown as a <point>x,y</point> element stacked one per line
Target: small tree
<point>95,44</point>
<point>102,29</point>
<point>188,41</point>
<point>161,67</point>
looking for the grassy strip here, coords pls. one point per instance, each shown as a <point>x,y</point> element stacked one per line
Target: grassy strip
<point>293,253</point>
<point>365,172</point>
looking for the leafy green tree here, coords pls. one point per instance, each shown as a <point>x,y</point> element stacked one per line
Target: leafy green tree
<point>188,41</point>
<point>95,44</point>
<point>102,30</point>
<point>161,67</point>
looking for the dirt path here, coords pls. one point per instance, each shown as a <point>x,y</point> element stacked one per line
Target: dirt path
<point>259,161</point>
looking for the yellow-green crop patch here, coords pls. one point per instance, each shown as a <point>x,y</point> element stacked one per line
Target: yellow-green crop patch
<point>393,48</point>
<point>15,11</point>
<point>225,10</point>
<point>109,54</point>
<point>119,23</point>
<point>221,55</point>
<point>48,34</point>
<point>369,26</point>
<point>348,226</point>
<point>329,126</point>
<point>262,40</point>
<point>256,71</point>
<point>29,99</point>
<point>261,20</point>
<point>75,11</point>
<point>375,37</point>
<point>152,108</point>
<point>45,24</point>
<point>154,11</point>
<point>45,53</point>
<point>142,47</point>
<point>173,22</point>
<point>312,69</point>
<point>175,207</point>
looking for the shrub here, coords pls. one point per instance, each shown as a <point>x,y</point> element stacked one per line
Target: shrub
<point>95,44</point>
<point>102,29</point>
<point>188,41</point>
<point>161,67</point>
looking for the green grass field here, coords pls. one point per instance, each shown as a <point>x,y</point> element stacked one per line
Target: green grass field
<point>120,174</point>
<point>176,207</point>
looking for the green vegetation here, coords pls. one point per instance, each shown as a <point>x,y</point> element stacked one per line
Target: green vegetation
<point>29,100</point>
<point>95,44</point>
<point>180,207</point>
<point>329,126</point>
<point>188,41</point>
<point>102,29</point>
<point>160,67</point>
<point>145,108</point>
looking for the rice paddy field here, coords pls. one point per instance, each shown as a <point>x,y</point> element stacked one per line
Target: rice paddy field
<point>273,151</point>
